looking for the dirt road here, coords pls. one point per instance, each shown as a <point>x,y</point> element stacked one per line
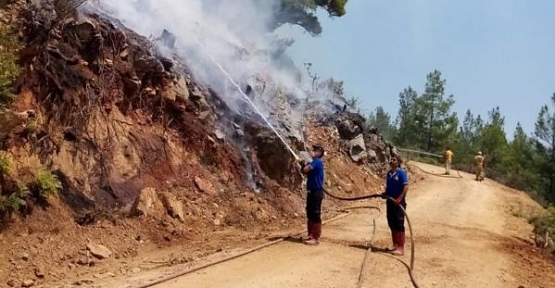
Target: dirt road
<point>465,235</point>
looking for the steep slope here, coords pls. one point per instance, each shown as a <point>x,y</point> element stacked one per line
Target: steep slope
<point>148,158</point>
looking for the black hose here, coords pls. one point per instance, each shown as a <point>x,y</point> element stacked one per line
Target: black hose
<point>352,198</point>
<point>412,249</point>
<point>411,268</point>
<point>438,175</point>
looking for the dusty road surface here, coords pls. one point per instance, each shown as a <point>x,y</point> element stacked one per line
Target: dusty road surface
<point>467,234</point>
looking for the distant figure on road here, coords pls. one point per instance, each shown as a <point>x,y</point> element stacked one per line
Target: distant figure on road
<point>396,187</point>
<point>448,158</point>
<point>315,194</point>
<point>479,162</point>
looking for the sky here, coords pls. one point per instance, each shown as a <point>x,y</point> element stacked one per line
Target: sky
<point>492,53</point>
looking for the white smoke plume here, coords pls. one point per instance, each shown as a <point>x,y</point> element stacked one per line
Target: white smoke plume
<point>235,33</point>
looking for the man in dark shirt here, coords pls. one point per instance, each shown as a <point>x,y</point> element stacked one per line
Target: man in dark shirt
<point>397,185</point>
<point>315,193</point>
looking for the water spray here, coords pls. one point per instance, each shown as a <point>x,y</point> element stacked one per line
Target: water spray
<point>228,76</point>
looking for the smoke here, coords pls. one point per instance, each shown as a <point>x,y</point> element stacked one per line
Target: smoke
<point>237,34</point>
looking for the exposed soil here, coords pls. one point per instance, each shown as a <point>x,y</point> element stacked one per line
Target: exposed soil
<point>465,236</point>
<point>114,117</point>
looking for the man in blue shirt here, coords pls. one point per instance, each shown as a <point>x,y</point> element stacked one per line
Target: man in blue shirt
<point>397,185</point>
<point>315,194</point>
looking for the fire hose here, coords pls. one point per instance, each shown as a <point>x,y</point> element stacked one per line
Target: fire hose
<point>438,175</point>
<point>228,258</point>
<point>411,266</point>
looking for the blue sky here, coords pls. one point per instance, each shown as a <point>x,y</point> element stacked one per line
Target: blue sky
<point>492,53</point>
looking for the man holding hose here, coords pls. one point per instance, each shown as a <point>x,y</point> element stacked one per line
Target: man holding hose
<point>397,185</point>
<point>315,194</point>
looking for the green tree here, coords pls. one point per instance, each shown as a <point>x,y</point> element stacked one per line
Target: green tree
<point>519,162</point>
<point>426,121</point>
<point>493,140</point>
<point>303,13</point>
<point>382,120</point>
<point>470,131</point>
<point>406,123</point>
<point>467,140</point>
<point>545,136</point>
<point>440,124</point>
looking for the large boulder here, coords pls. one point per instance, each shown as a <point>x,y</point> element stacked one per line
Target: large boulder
<point>99,251</point>
<point>204,186</point>
<point>173,206</point>
<point>357,149</point>
<point>148,204</point>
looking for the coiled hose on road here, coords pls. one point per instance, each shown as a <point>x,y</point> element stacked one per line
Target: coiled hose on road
<point>367,255</point>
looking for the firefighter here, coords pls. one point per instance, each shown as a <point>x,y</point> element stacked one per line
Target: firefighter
<point>448,158</point>
<point>315,194</point>
<point>479,162</point>
<point>397,186</point>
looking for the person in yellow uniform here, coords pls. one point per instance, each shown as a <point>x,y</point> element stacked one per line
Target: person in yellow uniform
<point>448,158</point>
<point>479,162</point>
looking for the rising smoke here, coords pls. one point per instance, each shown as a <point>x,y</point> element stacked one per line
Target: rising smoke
<point>238,34</point>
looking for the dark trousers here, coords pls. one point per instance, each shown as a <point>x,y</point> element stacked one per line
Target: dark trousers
<point>395,216</point>
<point>314,205</point>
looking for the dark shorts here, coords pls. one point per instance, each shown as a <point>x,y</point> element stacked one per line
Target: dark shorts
<point>395,216</point>
<point>314,205</point>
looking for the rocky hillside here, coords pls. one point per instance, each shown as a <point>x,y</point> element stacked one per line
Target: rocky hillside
<point>141,155</point>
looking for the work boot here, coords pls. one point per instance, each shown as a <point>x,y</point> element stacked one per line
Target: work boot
<point>400,249</point>
<point>394,241</point>
<point>309,229</point>
<point>317,231</point>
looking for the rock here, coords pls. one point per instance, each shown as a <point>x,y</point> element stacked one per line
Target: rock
<point>167,63</point>
<point>217,222</point>
<point>132,85</point>
<point>81,261</point>
<point>204,187</point>
<point>83,282</point>
<point>219,135</point>
<point>148,204</point>
<point>123,55</point>
<point>148,65</point>
<point>84,31</point>
<point>204,114</point>
<point>3,17</point>
<point>372,154</point>
<point>197,95</point>
<point>357,149</point>
<point>240,133</point>
<point>168,39</point>
<point>173,206</point>
<point>28,283</point>
<point>178,89</point>
<point>39,273</point>
<point>11,283</point>
<point>25,257</point>
<point>135,270</point>
<point>99,251</point>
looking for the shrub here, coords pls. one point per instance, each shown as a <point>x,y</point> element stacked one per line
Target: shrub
<point>47,183</point>
<point>544,228</point>
<point>15,201</point>
<point>9,70</point>
<point>5,163</point>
